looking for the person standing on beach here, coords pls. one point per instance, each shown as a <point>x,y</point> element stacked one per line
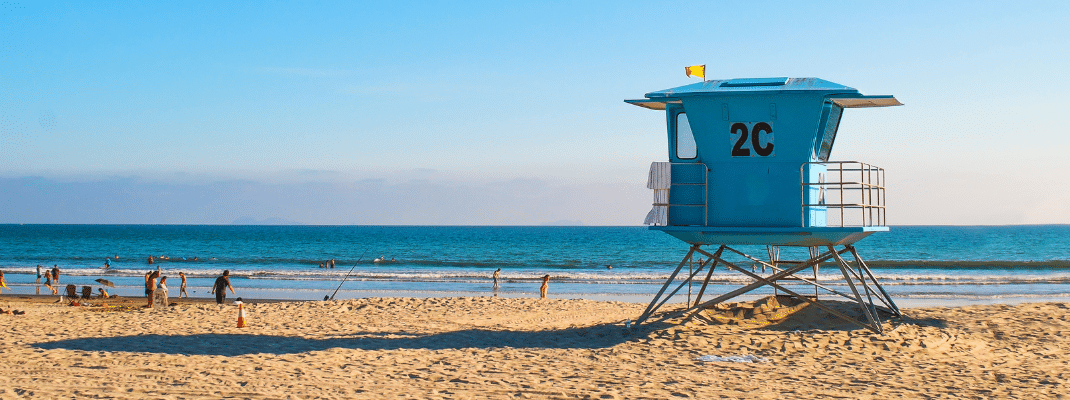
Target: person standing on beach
<point>150,285</point>
<point>497,272</point>
<point>3,282</point>
<point>147,291</point>
<point>182,286</point>
<point>38,279</point>
<point>160,295</point>
<point>221,284</point>
<point>545,284</point>
<point>55,275</point>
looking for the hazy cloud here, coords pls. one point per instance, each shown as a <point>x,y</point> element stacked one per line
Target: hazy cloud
<point>135,200</point>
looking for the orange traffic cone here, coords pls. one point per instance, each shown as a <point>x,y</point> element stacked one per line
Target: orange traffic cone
<point>241,316</point>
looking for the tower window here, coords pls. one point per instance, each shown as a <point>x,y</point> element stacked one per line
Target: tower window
<point>685,139</point>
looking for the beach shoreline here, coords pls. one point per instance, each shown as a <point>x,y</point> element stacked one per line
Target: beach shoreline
<point>274,296</point>
<point>493,347</point>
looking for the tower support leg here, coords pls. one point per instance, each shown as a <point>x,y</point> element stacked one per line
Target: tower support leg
<point>855,277</point>
<point>653,306</point>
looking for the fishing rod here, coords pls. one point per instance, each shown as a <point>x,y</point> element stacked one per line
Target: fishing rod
<point>347,274</point>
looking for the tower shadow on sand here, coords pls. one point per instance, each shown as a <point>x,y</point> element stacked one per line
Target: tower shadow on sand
<point>593,337</point>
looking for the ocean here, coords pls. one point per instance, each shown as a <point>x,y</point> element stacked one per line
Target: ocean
<point>918,265</point>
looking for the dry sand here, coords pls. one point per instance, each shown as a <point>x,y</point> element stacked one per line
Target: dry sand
<point>519,348</point>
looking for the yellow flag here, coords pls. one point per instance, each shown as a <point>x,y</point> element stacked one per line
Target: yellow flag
<point>696,70</point>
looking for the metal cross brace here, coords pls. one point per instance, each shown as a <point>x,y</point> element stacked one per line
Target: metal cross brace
<point>858,274</point>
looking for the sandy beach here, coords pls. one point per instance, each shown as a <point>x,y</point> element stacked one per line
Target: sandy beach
<point>486,347</point>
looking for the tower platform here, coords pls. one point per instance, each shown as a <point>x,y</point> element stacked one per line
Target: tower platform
<point>769,236</point>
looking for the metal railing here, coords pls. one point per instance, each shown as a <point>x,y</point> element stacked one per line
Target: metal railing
<point>668,194</point>
<point>846,186</point>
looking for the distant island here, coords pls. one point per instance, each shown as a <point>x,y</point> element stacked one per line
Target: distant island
<point>266,221</point>
<point>563,222</point>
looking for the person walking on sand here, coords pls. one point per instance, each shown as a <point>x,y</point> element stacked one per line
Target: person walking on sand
<point>221,284</point>
<point>545,284</point>
<point>3,282</point>
<point>182,286</point>
<point>497,273</point>
<point>48,282</point>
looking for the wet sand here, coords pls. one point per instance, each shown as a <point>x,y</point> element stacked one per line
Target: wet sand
<point>485,347</point>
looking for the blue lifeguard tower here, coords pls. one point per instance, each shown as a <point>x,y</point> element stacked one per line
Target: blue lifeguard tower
<point>749,165</point>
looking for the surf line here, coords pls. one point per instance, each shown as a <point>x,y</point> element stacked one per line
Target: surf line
<point>347,275</point>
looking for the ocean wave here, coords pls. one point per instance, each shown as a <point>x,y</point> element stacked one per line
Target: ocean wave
<point>958,296</point>
<point>579,276</point>
<point>504,261</point>
<point>967,265</point>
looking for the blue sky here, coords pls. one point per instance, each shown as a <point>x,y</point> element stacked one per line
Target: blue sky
<point>500,113</point>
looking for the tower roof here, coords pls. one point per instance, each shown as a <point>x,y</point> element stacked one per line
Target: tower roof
<point>753,85</point>
<point>843,96</point>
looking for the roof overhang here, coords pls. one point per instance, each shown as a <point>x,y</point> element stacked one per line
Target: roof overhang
<point>651,104</point>
<point>866,101</point>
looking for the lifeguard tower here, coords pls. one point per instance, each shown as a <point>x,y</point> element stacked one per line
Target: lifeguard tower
<point>749,165</point>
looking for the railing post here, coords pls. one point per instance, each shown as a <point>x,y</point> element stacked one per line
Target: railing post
<point>870,184</point>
